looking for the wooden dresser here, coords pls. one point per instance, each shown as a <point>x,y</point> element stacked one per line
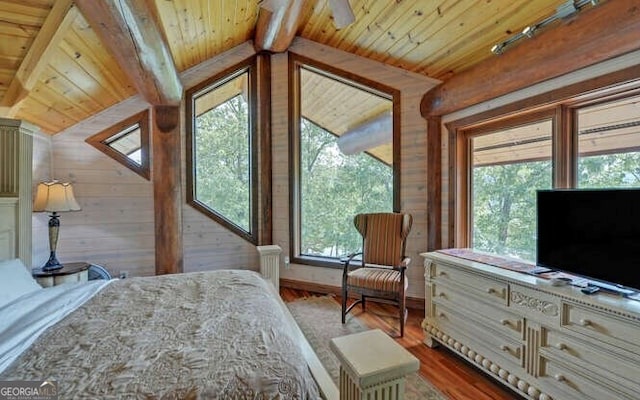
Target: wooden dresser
<point>542,341</point>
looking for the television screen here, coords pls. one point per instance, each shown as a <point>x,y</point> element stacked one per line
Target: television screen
<point>591,232</point>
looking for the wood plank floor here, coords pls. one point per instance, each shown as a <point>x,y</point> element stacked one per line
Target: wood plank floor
<point>453,376</point>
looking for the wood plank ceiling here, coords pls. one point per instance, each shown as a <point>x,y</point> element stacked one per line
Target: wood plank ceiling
<point>55,72</point>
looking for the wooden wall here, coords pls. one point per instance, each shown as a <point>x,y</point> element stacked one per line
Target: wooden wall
<point>41,164</point>
<point>115,227</point>
<point>413,191</point>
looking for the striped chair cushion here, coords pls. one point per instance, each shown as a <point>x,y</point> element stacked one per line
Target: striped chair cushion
<point>383,235</point>
<point>380,279</point>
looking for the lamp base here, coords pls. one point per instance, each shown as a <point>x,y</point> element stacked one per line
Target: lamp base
<point>52,264</point>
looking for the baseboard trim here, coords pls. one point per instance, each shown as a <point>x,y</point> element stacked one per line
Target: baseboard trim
<point>412,302</point>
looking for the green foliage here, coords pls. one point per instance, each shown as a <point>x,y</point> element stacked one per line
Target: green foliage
<point>504,198</point>
<point>609,170</point>
<point>222,161</point>
<point>334,188</point>
<point>504,204</point>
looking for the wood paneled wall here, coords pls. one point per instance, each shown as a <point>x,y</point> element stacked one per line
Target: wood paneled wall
<point>413,161</point>
<point>42,159</point>
<point>115,227</point>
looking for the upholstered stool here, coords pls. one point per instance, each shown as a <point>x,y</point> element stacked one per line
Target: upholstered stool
<point>372,366</point>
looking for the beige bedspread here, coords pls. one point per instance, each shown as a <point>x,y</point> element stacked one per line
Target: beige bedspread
<point>206,335</point>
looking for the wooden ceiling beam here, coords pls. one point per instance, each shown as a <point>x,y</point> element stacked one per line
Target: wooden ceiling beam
<point>129,30</point>
<point>278,21</point>
<point>607,30</point>
<point>55,26</point>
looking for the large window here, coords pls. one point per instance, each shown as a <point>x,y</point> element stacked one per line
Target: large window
<point>222,150</point>
<point>593,142</point>
<point>344,157</point>
<point>508,166</point>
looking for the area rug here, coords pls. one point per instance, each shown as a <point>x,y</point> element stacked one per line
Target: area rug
<point>319,320</point>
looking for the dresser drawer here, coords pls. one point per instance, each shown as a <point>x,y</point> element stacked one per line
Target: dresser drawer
<point>504,321</point>
<point>565,383</point>
<point>574,350</point>
<point>489,289</point>
<point>608,328</point>
<point>498,348</point>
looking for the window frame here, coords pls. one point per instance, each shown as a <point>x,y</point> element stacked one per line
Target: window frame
<point>100,142</point>
<point>564,161</point>
<point>250,66</point>
<point>296,62</point>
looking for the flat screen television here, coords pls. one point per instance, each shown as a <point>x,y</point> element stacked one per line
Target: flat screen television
<point>594,233</point>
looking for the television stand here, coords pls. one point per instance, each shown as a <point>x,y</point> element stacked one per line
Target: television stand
<point>544,342</point>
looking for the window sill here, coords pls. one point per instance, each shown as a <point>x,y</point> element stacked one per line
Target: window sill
<point>326,262</point>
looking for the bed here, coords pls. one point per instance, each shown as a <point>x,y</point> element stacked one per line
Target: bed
<point>221,334</point>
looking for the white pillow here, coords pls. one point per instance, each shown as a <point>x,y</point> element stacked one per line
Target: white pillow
<point>15,281</point>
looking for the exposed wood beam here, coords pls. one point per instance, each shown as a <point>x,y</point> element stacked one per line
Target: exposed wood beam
<point>62,14</point>
<point>369,134</point>
<point>605,31</point>
<point>127,28</point>
<point>434,177</point>
<point>167,189</point>
<point>278,21</point>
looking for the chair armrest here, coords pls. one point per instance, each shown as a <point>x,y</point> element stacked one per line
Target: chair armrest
<point>347,260</point>
<point>404,264</point>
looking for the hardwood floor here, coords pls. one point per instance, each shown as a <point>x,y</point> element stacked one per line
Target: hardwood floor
<point>453,376</point>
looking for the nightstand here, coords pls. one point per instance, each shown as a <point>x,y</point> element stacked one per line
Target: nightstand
<point>70,272</point>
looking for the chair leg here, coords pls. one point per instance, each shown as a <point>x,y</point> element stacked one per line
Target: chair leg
<point>344,304</point>
<point>363,302</point>
<point>403,316</point>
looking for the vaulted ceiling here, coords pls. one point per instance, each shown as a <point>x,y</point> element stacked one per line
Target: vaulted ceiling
<point>55,71</point>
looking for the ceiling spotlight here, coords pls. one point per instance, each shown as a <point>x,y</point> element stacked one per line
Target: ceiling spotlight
<point>529,31</point>
<point>497,48</point>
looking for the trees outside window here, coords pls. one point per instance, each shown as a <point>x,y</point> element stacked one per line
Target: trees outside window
<point>509,165</point>
<point>221,151</point>
<point>335,187</point>
<point>332,181</point>
<point>503,163</point>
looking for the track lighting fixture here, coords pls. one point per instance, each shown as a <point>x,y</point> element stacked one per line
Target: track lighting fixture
<point>565,10</point>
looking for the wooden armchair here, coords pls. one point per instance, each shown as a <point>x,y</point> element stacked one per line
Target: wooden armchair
<point>380,273</point>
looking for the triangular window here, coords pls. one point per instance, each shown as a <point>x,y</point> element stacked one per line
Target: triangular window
<point>127,142</point>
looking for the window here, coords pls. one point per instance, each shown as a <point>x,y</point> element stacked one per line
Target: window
<point>127,143</point>
<point>508,166</point>
<point>222,150</point>
<point>345,161</point>
<point>609,144</point>
<point>590,142</point>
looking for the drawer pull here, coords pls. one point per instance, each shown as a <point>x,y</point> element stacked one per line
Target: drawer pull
<point>585,322</point>
<point>442,273</point>
<point>442,315</point>
<point>559,377</point>
<point>442,294</point>
<point>504,347</point>
<point>505,322</point>
<point>561,346</point>
<point>491,290</point>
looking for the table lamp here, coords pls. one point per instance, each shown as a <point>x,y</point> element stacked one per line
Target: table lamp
<point>54,197</point>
